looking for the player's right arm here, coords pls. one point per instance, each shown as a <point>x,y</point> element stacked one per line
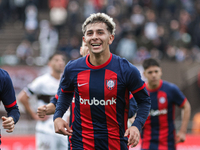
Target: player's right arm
<point>24,99</point>
<point>44,110</point>
<point>9,101</point>
<point>50,108</point>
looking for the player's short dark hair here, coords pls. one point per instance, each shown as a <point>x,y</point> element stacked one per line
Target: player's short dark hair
<point>57,53</point>
<point>149,63</point>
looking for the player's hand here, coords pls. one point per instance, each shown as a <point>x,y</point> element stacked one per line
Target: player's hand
<point>62,127</point>
<point>36,117</point>
<point>180,137</point>
<point>8,123</point>
<point>134,136</point>
<point>41,111</point>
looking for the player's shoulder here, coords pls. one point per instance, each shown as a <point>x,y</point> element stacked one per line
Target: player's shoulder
<point>170,85</point>
<point>42,78</point>
<point>125,65</point>
<point>76,63</point>
<point>120,59</point>
<point>4,74</point>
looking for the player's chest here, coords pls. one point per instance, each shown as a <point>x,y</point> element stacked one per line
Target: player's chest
<point>159,100</point>
<point>100,82</point>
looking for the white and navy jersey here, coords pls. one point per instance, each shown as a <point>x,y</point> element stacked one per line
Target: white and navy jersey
<point>101,100</point>
<point>7,95</point>
<point>44,87</point>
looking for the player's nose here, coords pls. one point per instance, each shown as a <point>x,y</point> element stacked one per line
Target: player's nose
<point>94,36</point>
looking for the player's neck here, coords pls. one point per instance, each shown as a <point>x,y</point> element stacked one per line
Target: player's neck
<point>55,75</point>
<point>153,86</point>
<point>99,59</point>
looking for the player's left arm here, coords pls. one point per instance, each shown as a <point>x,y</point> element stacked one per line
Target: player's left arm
<point>180,99</point>
<point>137,88</point>
<point>185,114</point>
<point>144,104</point>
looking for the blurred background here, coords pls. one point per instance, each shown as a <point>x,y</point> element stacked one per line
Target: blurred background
<point>32,30</point>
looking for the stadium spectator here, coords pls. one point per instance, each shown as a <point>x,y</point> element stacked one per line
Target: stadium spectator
<point>23,51</point>
<point>48,39</point>
<point>101,93</point>
<point>127,47</point>
<point>45,87</point>
<point>31,22</point>
<point>159,130</point>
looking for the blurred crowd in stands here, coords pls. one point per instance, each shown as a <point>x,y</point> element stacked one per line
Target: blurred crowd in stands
<point>163,29</point>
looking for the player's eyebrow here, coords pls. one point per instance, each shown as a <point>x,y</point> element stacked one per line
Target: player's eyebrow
<point>95,30</point>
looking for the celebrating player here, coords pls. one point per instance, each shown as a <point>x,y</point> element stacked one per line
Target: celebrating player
<point>101,83</point>
<point>159,132</point>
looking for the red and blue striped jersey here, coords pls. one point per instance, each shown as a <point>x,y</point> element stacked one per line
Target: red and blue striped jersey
<point>7,95</point>
<point>159,131</point>
<point>101,100</point>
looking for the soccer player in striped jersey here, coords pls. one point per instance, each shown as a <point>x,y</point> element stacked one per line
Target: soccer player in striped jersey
<point>101,82</point>
<point>7,96</point>
<point>49,109</point>
<point>158,132</point>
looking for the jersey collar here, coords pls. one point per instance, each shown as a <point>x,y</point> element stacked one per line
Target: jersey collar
<point>100,66</point>
<point>154,90</point>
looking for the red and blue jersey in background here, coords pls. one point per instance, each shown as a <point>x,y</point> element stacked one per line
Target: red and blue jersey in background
<point>101,100</point>
<point>7,96</point>
<point>159,131</point>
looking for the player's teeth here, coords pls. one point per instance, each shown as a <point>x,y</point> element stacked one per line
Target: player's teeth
<point>95,44</point>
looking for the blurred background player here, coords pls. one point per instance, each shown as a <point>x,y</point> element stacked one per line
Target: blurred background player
<point>101,93</point>
<point>50,108</point>
<point>45,87</point>
<point>7,95</point>
<point>158,132</point>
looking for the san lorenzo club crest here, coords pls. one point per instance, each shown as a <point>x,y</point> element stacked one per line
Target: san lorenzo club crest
<point>110,84</point>
<point>162,100</point>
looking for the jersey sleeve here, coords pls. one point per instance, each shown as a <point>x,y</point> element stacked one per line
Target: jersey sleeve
<point>178,97</point>
<point>136,86</point>
<point>132,106</point>
<point>132,77</point>
<point>65,91</point>
<point>8,98</point>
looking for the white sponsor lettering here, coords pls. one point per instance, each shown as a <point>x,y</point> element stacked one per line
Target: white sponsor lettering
<point>96,102</point>
<point>158,112</point>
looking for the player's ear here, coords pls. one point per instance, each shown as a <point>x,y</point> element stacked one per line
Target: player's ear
<point>81,51</point>
<point>161,71</point>
<point>111,38</point>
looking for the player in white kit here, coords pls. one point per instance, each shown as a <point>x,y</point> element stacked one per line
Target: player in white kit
<point>45,87</point>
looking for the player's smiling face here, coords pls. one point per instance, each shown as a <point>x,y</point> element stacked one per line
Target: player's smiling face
<point>153,75</point>
<point>97,37</point>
